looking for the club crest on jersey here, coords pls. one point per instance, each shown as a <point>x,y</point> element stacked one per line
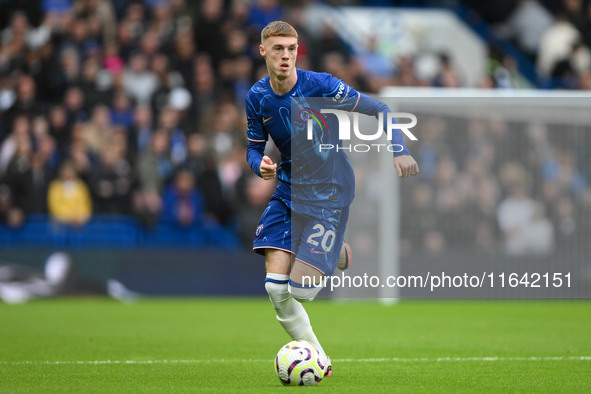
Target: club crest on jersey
<point>307,115</point>
<point>258,231</point>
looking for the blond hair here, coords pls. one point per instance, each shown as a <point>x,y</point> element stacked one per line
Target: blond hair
<point>278,29</point>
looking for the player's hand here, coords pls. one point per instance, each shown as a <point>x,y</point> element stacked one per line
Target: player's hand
<point>406,166</point>
<point>268,168</point>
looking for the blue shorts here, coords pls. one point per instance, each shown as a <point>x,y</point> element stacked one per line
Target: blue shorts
<point>315,238</point>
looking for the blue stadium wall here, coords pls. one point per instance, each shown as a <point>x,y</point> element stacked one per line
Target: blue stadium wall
<point>162,271</point>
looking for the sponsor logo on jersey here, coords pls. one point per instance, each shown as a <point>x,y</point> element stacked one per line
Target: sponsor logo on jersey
<point>339,94</point>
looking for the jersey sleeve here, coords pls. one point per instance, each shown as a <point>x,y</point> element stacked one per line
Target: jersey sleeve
<point>348,99</point>
<point>343,95</point>
<point>371,106</point>
<point>256,135</point>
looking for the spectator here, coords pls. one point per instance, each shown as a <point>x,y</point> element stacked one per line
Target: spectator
<point>447,77</point>
<point>223,123</point>
<point>196,154</point>
<point>522,221</point>
<point>161,22</point>
<point>208,34</point>
<point>121,113</point>
<point>169,120</point>
<point>95,85</point>
<point>129,32</point>
<point>573,12</point>
<point>327,43</point>
<point>506,74</point>
<point>168,79</point>
<point>99,130</point>
<point>82,159</point>
<point>69,199</point>
<point>182,203</point>
<point>204,168</point>
<point>184,59</point>
<point>75,105</point>
<point>335,64</point>
<point>77,37</point>
<point>59,129</point>
<point>556,44</point>
<point>10,215</point>
<point>356,76</point>
<point>205,86</point>
<point>374,62</point>
<point>27,103</point>
<point>406,75</point>
<point>68,72</point>
<point>18,166</point>
<point>111,180</point>
<point>112,62</point>
<point>183,14</point>
<point>147,205</point>
<point>154,166</point>
<point>20,135</point>
<point>141,131</point>
<point>104,12</point>
<point>239,17</point>
<point>567,69</point>
<point>139,82</point>
<point>20,30</point>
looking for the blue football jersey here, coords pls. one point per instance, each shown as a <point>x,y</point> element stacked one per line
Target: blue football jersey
<point>307,176</point>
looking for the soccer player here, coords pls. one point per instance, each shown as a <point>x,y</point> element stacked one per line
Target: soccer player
<point>303,240</point>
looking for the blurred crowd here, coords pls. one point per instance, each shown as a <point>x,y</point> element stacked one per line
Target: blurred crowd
<point>554,34</point>
<point>136,107</point>
<point>128,107</point>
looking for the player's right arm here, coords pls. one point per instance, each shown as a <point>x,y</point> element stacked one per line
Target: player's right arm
<point>261,164</point>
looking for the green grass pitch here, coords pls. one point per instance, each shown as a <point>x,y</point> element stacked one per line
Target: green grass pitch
<point>96,345</point>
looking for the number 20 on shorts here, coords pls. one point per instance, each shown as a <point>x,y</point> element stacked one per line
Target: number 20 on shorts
<point>326,238</point>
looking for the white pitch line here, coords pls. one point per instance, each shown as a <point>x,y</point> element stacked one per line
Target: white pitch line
<point>465,359</point>
<point>342,360</point>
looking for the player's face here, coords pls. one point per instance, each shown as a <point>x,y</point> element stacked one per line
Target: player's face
<point>280,53</point>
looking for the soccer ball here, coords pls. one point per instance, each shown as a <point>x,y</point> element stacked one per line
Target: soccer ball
<point>300,363</point>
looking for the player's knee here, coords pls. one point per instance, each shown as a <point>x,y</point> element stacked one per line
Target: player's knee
<point>277,289</point>
<point>303,294</point>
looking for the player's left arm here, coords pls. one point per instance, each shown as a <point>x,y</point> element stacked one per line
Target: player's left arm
<point>404,163</point>
<point>349,99</point>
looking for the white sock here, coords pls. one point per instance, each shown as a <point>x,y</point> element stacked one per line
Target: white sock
<point>290,313</point>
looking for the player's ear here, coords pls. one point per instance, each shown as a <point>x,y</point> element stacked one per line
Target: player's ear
<point>262,50</point>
